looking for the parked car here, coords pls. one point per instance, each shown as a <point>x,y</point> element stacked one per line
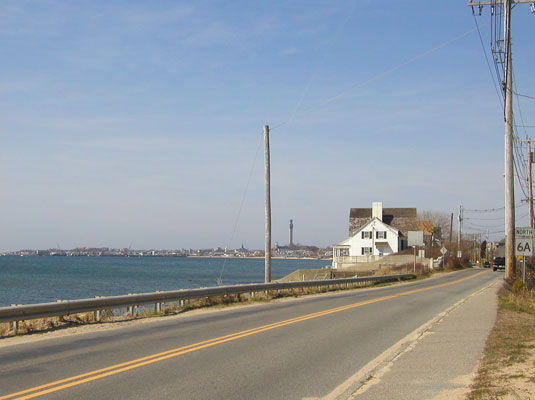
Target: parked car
<point>498,263</point>
<point>486,264</point>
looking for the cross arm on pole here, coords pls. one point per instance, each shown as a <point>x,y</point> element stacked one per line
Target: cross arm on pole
<point>495,2</point>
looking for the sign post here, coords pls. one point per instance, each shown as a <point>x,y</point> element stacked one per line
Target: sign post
<point>415,238</point>
<point>443,250</point>
<point>524,246</point>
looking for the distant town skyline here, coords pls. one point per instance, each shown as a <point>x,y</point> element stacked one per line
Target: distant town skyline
<point>139,125</point>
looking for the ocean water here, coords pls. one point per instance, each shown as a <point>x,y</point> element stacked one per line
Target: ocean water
<point>33,279</point>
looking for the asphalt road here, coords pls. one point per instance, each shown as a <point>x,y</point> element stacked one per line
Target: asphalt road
<point>301,348</point>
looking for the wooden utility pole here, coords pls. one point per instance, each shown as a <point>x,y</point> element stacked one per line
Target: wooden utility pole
<point>530,181</point>
<point>267,179</point>
<point>530,184</point>
<point>506,6</point>
<point>451,228</point>
<point>509,167</point>
<point>459,236</point>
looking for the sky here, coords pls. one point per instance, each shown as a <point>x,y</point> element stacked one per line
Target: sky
<point>139,124</point>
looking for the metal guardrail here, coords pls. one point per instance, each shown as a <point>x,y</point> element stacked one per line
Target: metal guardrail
<point>66,307</point>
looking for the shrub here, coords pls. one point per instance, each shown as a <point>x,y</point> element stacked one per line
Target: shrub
<point>519,286</point>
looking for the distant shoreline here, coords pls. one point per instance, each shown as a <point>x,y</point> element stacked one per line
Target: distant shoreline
<point>260,257</point>
<point>164,256</point>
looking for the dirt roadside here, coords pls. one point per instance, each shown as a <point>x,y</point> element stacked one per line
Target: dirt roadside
<point>507,367</point>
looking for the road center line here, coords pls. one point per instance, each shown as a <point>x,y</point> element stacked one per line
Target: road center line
<point>151,359</point>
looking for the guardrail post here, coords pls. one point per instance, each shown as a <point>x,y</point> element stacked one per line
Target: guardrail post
<point>135,310</point>
<point>14,325</point>
<point>130,309</point>
<point>158,305</point>
<point>97,312</point>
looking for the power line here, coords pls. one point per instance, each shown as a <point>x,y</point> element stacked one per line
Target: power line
<point>524,95</point>
<point>391,70</point>
<point>484,219</point>
<point>219,280</point>
<point>500,96</point>
<point>488,209</point>
<point>483,226</point>
<point>477,226</point>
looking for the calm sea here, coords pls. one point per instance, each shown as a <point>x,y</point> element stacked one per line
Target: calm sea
<point>28,280</point>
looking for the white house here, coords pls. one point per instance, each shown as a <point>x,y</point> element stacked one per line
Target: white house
<point>370,241</point>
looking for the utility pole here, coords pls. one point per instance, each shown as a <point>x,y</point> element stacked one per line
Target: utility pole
<point>267,180</point>
<point>530,184</point>
<point>509,168</point>
<point>506,6</point>
<point>451,228</point>
<point>530,180</point>
<point>459,236</point>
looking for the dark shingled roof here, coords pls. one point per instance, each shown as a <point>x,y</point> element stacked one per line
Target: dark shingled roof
<point>388,213</point>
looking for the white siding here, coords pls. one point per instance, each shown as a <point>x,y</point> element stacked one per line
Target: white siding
<point>386,246</point>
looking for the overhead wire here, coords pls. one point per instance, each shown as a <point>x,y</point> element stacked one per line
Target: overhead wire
<point>500,96</point>
<point>483,226</point>
<point>496,33</point>
<point>359,85</point>
<point>484,219</point>
<point>477,226</point>
<point>524,95</point>
<point>340,27</point>
<point>220,279</point>
<point>488,209</point>
<point>522,172</point>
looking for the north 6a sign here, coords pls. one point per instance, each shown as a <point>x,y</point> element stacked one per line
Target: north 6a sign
<point>524,247</point>
<point>524,242</point>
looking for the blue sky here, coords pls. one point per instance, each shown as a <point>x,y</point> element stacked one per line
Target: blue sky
<point>137,123</point>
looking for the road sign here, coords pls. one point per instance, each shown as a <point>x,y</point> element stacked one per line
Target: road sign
<point>523,241</point>
<point>443,250</point>
<point>415,238</point>
<point>523,247</point>
<point>526,233</point>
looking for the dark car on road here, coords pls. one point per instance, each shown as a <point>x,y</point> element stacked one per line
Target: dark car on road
<point>498,263</point>
<point>486,264</point>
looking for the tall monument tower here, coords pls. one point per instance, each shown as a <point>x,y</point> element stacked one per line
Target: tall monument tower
<point>291,233</point>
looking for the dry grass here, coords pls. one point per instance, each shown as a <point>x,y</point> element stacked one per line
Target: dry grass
<point>53,323</point>
<point>507,369</point>
<point>4,329</point>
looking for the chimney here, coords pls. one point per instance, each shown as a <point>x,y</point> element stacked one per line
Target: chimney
<point>377,210</point>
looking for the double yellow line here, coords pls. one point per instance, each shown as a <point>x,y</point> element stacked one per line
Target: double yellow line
<point>154,358</point>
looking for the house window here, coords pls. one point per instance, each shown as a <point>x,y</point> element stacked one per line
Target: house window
<point>380,235</point>
<point>366,251</point>
<point>366,235</point>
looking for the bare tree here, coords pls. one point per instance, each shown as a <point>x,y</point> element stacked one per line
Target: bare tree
<point>441,223</point>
